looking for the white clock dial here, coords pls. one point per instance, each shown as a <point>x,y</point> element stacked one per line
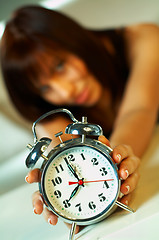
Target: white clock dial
<point>86,197</point>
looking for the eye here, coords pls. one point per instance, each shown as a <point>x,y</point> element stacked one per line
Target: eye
<point>44,89</point>
<point>60,66</point>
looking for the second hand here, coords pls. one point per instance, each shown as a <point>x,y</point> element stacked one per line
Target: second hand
<point>80,182</point>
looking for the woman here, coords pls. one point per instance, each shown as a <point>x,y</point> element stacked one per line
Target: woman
<point>111,76</point>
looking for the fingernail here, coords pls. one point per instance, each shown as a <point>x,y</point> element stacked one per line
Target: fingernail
<point>121,195</point>
<point>128,188</point>
<point>49,221</point>
<point>124,174</point>
<point>126,202</point>
<point>127,173</point>
<point>118,157</point>
<point>34,210</point>
<point>26,179</point>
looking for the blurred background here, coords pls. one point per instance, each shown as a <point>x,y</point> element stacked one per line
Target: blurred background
<point>15,132</point>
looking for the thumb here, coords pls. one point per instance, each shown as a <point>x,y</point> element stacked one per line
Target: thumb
<point>104,140</point>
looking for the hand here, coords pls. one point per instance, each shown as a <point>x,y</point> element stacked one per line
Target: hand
<point>128,165</point>
<point>37,200</point>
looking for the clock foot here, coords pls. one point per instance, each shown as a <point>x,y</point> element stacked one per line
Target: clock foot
<point>72,232</point>
<point>125,207</point>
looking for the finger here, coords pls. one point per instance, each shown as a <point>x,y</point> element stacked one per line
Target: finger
<point>50,217</point>
<point>104,140</point>
<point>130,183</point>
<point>121,152</point>
<point>37,202</point>
<point>128,166</point>
<point>70,225</point>
<point>126,199</point>
<point>33,176</point>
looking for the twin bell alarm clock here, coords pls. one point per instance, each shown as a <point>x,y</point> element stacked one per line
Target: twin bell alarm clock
<point>79,182</point>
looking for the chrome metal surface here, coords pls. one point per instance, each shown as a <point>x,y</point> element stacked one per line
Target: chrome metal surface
<point>37,151</point>
<point>48,114</point>
<point>80,128</point>
<point>72,231</point>
<point>76,142</point>
<point>125,207</point>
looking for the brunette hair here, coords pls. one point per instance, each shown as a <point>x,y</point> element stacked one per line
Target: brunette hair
<point>30,37</point>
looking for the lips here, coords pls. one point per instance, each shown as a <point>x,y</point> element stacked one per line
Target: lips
<point>83,96</point>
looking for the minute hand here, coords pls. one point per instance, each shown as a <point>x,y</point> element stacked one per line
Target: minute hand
<point>71,168</point>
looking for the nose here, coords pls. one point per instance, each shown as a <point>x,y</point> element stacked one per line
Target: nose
<point>64,89</point>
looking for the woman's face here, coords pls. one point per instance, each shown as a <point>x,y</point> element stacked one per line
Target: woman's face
<point>71,84</point>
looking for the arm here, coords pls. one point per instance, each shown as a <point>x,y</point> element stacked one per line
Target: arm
<point>139,102</point>
<point>138,111</point>
<point>139,107</point>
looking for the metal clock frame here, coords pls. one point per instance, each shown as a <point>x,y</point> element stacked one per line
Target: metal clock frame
<point>98,146</point>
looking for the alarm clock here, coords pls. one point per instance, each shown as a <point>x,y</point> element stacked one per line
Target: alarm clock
<point>79,182</point>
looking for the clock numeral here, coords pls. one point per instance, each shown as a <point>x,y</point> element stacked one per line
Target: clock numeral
<point>83,157</point>
<point>102,198</point>
<point>56,181</point>
<point>67,204</point>
<point>103,171</point>
<point>105,185</point>
<point>79,207</point>
<point>91,205</point>
<point>94,161</point>
<point>57,193</point>
<point>70,158</point>
<point>59,168</point>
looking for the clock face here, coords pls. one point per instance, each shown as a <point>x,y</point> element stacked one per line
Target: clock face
<point>80,184</point>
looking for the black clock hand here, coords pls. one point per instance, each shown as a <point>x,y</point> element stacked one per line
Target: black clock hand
<point>71,168</point>
<point>74,192</point>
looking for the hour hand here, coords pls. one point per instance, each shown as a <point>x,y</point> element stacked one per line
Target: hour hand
<point>71,168</point>
<point>74,192</point>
